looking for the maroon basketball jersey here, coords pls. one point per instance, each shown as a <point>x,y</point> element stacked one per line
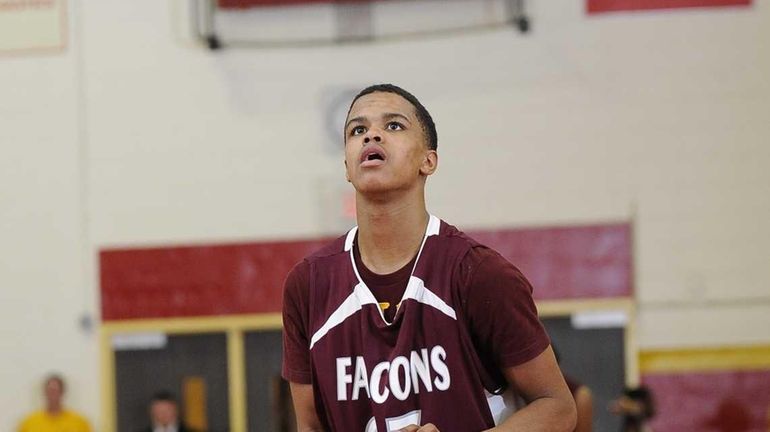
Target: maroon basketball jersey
<point>371,375</point>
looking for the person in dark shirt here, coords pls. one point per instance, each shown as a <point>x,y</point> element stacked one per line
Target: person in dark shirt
<point>406,323</point>
<point>637,406</point>
<point>164,414</point>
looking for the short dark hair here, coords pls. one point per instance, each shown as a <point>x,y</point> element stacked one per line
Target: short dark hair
<point>163,396</point>
<point>55,377</point>
<point>422,114</point>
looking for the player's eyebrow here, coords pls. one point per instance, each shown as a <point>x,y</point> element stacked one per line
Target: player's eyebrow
<point>385,116</point>
<point>354,120</point>
<point>388,116</point>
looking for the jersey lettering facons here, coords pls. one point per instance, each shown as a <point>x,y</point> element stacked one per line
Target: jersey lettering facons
<point>406,375</point>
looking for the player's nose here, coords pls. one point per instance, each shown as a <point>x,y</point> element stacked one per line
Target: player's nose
<point>373,134</point>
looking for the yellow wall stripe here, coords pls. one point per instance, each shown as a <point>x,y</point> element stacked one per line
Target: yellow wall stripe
<point>553,308</point>
<point>705,359</point>
<point>271,321</point>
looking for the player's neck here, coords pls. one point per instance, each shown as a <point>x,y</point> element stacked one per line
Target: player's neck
<point>390,234</point>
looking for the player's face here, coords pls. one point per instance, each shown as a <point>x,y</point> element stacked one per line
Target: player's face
<point>385,146</point>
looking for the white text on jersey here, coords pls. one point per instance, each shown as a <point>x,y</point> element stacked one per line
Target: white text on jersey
<point>404,375</point>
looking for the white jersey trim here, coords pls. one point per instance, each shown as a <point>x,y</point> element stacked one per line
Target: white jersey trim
<point>361,294</point>
<point>350,238</point>
<point>501,406</point>
<point>416,290</point>
<point>352,304</point>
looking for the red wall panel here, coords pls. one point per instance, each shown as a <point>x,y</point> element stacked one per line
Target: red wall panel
<point>568,262</point>
<point>711,402</point>
<point>197,280</point>
<point>183,281</point>
<point>602,6</point>
<point>243,4</point>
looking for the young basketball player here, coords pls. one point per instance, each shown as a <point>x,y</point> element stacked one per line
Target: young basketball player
<point>405,323</point>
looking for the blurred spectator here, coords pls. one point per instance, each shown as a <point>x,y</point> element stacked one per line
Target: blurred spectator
<point>54,417</point>
<point>637,407</point>
<point>164,414</point>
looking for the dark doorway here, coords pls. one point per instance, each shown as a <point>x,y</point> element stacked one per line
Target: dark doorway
<point>140,373</point>
<point>594,357</point>
<point>267,400</point>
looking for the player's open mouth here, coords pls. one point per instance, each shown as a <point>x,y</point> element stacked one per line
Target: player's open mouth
<point>372,156</point>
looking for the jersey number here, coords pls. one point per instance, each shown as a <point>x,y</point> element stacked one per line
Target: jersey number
<point>394,424</point>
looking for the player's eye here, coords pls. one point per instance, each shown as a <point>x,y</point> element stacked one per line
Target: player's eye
<point>357,130</point>
<point>395,126</point>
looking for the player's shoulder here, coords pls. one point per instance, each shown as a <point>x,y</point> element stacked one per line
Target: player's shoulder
<point>338,246</point>
<point>334,247</point>
<point>477,251</point>
<point>478,254</point>
<point>451,233</point>
<point>299,274</point>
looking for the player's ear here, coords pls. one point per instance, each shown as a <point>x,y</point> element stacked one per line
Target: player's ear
<point>429,163</point>
<point>347,176</point>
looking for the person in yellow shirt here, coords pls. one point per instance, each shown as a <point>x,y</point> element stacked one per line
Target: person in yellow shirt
<point>54,418</point>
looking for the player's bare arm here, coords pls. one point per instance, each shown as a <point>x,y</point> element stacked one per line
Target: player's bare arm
<point>304,408</point>
<point>550,406</point>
